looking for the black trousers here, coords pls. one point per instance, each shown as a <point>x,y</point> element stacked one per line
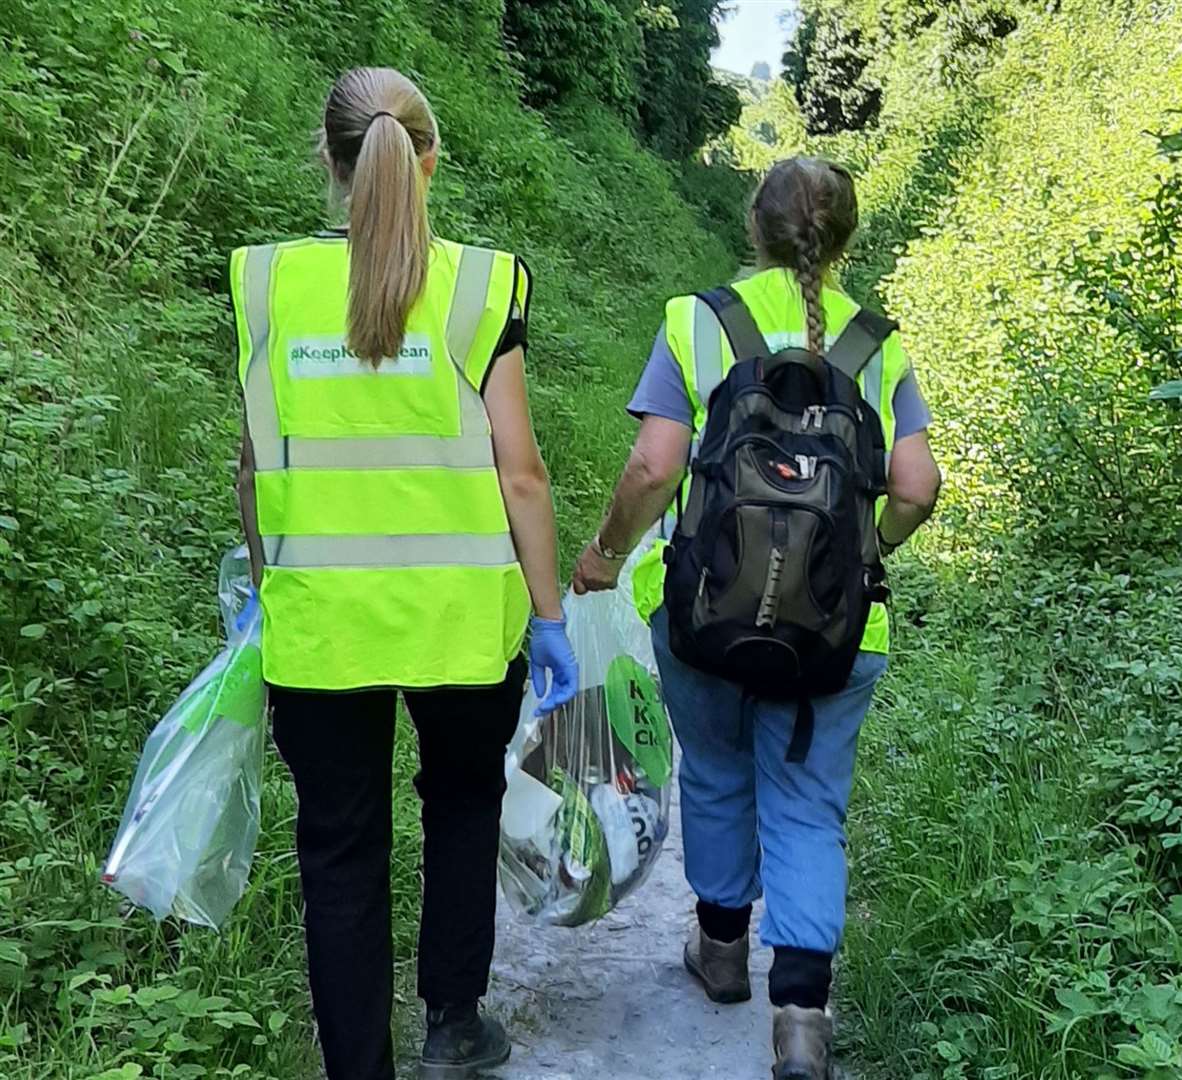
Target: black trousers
<point>339,748</point>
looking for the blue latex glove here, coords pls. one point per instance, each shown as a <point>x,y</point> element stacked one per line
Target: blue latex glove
<point>550,651</point>
<point>248,609</point>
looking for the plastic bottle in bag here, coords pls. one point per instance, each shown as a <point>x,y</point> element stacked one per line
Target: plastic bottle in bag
<point>618,832</point>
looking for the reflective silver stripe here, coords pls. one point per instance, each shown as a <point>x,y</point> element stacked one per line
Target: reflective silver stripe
<point>467,301</point>
<point>707,351</point>
<point>450,549</point>
<point>473,418</point>
<point>404,452</point>
<point>872,382</point>
<point>262,414</point>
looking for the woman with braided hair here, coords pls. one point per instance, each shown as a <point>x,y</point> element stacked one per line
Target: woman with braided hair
<point>756,823</point>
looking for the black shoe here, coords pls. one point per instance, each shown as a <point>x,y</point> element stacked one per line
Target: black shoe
<point>461,1043</point>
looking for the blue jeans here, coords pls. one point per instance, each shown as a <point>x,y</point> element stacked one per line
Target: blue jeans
<point>753,823</point>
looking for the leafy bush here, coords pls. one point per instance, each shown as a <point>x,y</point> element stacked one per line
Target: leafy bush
<point>1104,461</point>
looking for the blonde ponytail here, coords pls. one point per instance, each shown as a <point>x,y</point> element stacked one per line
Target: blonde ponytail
<point>389,238</point>
<point>377,127</point>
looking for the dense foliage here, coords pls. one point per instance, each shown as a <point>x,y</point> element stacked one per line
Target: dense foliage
<point>648,61</point>
<point>682,105</point>
<point>578,47</point>
<point>139,142</point>
<point>826,64</point>
<point>1016,836</point>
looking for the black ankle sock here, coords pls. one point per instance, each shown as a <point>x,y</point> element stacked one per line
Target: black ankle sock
<point>800,977</point>
<point>725,925</point>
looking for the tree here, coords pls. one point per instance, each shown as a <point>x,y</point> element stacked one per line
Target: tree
<point>682,104</point>
<point>826,65</point>
<point>571,47</point>
<point>769,129</point>
<point>646,59</point>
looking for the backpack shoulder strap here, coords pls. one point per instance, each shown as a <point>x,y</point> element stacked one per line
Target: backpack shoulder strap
<point>863,336</point>
<point>747,342</point>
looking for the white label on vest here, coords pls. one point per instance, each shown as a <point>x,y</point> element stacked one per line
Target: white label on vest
<point>329,357</point>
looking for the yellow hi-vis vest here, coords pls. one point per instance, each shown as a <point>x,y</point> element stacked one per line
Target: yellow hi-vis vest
<point>388,559</point>
<point>704,355</point>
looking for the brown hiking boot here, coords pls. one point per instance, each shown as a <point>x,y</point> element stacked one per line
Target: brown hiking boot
<point>802,1038</point>
<point>720,967</point>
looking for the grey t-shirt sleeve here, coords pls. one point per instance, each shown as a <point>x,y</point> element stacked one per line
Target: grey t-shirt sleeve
<point>661,390</point>
<point>912,414</point>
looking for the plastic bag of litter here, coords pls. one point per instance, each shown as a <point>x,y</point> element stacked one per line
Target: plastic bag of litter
<point>587,808</point>
<point>187,838</point>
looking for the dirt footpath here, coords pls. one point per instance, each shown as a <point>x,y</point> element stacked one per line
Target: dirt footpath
<point>613,1000</point>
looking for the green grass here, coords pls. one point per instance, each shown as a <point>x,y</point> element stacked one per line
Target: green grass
<point>1010,910</point>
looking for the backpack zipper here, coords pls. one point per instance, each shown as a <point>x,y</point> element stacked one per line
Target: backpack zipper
<point>814,460</point>
<point>857,415</point>
<point>826,518</point>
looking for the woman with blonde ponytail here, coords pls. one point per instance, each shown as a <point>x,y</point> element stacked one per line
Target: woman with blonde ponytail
<point>401,529</point>
<point>757,820</point>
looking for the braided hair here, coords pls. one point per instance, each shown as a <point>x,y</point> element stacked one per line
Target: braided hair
<point>802,218</point>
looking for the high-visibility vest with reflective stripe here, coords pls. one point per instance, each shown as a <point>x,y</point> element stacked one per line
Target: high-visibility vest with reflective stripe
<point>388,559</point>
<point>704,356</point>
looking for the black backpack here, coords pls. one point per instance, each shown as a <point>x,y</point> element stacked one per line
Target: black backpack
<point>774,562</point>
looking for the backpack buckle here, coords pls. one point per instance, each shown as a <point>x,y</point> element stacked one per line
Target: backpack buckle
<point>877,590</point>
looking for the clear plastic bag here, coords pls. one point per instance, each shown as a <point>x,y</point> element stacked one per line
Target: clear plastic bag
<point>187,838</point>
<point>587,809</point>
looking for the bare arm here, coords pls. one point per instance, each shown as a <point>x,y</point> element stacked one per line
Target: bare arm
<point>525,484</point>
<point>247,508</point>
<point>913,487</point>
<point>643,494</point>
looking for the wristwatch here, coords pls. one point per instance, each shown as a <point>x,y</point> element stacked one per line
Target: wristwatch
<point>604,552</point>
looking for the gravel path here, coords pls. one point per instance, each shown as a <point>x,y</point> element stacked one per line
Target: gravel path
<point>613,1000</point>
